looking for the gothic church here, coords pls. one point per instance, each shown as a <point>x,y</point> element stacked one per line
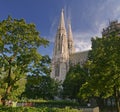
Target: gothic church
<point>64,54</point>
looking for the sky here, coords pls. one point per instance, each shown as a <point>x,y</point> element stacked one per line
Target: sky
<point>88,18</point>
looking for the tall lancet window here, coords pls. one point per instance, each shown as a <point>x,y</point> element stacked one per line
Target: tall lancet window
<point>59,42</point>
<point>57,70</point>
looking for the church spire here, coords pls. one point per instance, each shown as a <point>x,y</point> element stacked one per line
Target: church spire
<point>60,60</point>
<point>70,36</point>
<point>62,23</point>
<point>70,39</point>
<point>61,44</point>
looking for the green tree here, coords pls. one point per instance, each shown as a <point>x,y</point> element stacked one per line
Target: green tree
<point>41,87</point>
<point>18,52</point>
<point>42,67</point>
<point>74,79</point>
<point>39,82</point>
<point>104,67</point>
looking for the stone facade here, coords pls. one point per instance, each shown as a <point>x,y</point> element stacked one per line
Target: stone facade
<point>113,27</point>
<point>64,54</point>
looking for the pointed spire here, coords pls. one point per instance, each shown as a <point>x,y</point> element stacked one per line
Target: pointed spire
<point>62,23</point>
<point>61,42</point>
<point>70,36</point>
<point>60,60</point>
<point>70,39</point>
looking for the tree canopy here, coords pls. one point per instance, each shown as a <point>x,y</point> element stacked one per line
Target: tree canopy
<point>74,79</point>
<point>19,42</point>
<point>40,87</point>
<point>104,68</point>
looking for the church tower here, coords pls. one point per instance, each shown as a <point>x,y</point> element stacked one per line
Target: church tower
<point>71,47</point>
<point>60,59</point>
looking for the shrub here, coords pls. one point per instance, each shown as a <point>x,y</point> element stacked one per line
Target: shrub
<point>40,109</point>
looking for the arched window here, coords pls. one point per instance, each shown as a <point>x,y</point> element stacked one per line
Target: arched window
<point>57,70</point>
<point>59,42</point>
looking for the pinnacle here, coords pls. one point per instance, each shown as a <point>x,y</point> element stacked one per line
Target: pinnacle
<point>62,23</point>
<point>69,31</point>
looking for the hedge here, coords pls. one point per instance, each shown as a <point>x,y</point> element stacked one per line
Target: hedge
<point>34,109</point>
<point>60,104</point>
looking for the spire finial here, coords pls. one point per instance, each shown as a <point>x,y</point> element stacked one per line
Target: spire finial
<point>70,39</point>
<point>69,30</point>
<point>62,23</point>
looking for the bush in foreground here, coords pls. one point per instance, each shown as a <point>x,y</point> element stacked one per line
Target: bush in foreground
<point>41,109</point>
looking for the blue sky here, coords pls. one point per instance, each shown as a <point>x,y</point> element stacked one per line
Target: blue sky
<point>88,17</point>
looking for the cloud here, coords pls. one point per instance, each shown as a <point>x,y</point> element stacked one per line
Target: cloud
<point>106,11</point>
<point>82,41</point>
<point>109,10</point>
<point>53,28</point>
<point>82,46</point>
<point>91,21</point>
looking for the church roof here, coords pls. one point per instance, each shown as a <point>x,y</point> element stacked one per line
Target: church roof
<point>78,57</point>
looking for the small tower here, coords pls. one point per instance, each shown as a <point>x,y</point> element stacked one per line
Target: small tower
<point>60,60</point>
<point>71,47</point>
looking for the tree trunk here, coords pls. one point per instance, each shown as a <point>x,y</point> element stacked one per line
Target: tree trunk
<point>0,99</point>
<point>9,86</point>
<point>8,89</point>
<point>112,107</point>
<point>100,102</point>
<point>117,99</point>
<point>117,103</point>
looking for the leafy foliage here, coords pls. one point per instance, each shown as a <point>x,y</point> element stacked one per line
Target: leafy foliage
<point>18,53</point>
<point>41,87</point>
<point>41,68</point>
<point>104,68</point>
<point>74,80</point>
<point>41,109</point>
